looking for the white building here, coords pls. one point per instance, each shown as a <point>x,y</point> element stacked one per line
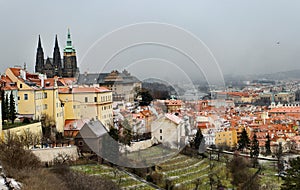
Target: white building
<point>171,130</point>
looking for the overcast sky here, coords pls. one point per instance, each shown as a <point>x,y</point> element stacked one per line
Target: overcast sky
<point>245,37</point>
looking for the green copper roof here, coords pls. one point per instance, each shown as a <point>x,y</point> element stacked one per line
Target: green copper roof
<point>69,47</point>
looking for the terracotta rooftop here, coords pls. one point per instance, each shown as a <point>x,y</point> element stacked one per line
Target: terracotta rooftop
<point>83,90</point>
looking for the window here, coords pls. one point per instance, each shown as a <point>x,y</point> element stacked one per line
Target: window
<point>21,86</point>
<point>18,97</point>
<point>25,96</point>
<point>160,137</point>
<point>86,99</point>
<point>160,130</point>
<point>95,99</point>
<point>45,94</point>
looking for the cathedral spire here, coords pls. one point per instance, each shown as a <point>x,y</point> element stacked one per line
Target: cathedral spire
<point>39,43</point>
<point>57,59</point>
<point>69,47</point>
<point>56,42</point>
<point>39,62</point>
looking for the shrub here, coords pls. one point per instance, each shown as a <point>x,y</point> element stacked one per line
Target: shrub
<point>15,158</point>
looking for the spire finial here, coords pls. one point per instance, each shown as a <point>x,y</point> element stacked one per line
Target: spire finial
<point>39,42</point>
<point>69,34</point>
<point>69,47</point>
<point>56,42</point>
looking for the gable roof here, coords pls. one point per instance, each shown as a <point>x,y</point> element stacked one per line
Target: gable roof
<point>173,118</point>
<point>102,78</point>
<point>93,129</point>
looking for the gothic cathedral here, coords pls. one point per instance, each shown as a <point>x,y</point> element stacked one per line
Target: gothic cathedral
<point>54,66</point>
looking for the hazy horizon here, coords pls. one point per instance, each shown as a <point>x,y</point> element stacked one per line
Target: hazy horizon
<point>246,37</point>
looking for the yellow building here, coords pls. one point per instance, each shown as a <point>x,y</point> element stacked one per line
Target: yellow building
<point>227,137</point>
<point>0,119</point>
<point>87,103</point>
<point>37,96</point>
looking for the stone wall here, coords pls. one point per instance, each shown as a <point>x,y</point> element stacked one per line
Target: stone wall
<point>35,128</point>
<point>135,146</point>
<point>48,154</point>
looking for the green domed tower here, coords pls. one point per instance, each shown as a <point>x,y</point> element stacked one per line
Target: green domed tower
<point>70,68</point>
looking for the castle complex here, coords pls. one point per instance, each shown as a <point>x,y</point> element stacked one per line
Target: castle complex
<point>56,66</point>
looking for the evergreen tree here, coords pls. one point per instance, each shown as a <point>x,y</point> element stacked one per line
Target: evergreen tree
<point>145,95</point>
<point>268,145</point>
<point>12,108</point>
<point>4,110</point>
<point>243,141</point>
<point>6,106</point>
<point>254,147</point>
<point>254,153</point>
<point>197,140</point>
<point>114,133</point>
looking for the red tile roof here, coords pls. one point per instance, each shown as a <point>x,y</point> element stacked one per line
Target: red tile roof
<point>75,124</point>
<point>83,90</point>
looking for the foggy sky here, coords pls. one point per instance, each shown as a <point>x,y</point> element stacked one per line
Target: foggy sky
<point>245,37</point>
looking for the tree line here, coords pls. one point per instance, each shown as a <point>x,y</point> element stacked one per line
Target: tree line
<point>8,107</point>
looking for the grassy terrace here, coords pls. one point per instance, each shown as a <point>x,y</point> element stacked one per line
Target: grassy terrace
<point>9,125</point>
<point>152,155</point>
<point>183,172</point>
<point>122,179</point>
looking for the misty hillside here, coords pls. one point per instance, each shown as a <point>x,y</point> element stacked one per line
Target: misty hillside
<point>158,89</point>
<point>283,75</point>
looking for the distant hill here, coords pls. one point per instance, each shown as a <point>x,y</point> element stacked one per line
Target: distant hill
<point>293,74</point>
<point>158,88</point>
<point>282,75</point>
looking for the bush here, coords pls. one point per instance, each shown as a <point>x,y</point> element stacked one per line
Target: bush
<point>43,179</point>
<point>25,167</point>
<point>15,158</point>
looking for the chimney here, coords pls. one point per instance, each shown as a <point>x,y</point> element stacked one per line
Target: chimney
<point>55,82</point>
<point>23,74</point>
<point>42,78</point>
<point>70,89</point>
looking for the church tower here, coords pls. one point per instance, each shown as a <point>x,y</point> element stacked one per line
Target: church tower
<point>39,63</point>
<point>57,59</point>
<point>70,63</point>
